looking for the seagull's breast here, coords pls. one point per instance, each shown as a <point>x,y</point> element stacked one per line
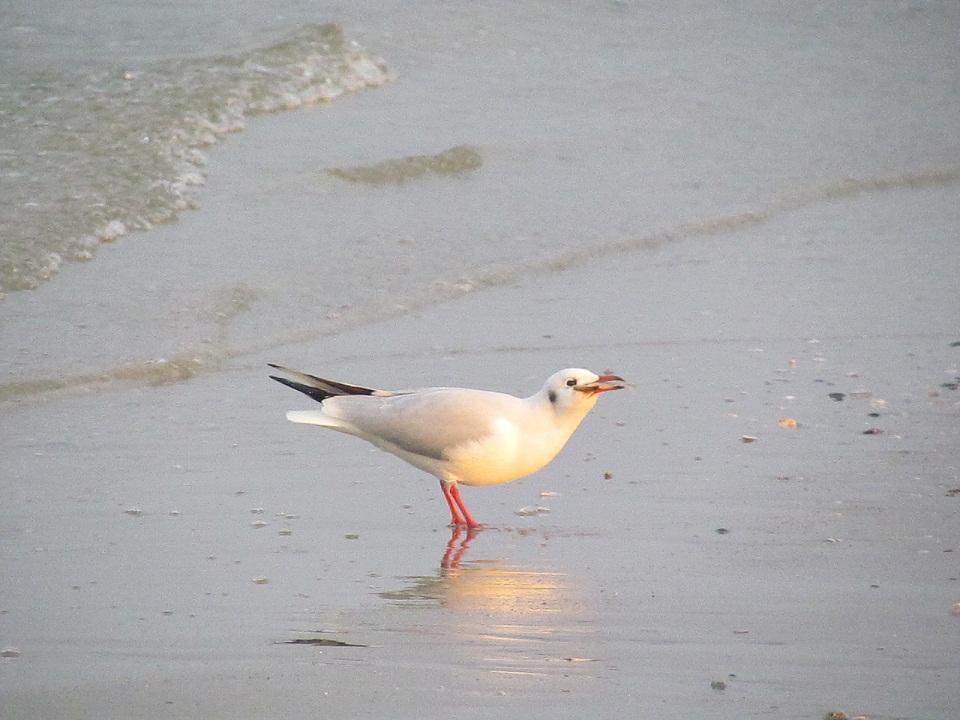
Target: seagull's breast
<point>507,453</point>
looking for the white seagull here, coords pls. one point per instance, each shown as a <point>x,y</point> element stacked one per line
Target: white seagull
<point>473,437</point>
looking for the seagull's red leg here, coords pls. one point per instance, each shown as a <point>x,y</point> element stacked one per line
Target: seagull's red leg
<point>455,517</point>
<point>454,491</point>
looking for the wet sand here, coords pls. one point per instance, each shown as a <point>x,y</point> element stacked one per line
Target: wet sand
<point>810,570</point>
<point>170,548</point>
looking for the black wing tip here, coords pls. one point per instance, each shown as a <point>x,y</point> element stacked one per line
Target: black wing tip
<point>315,386</point>
<point>312,392</point>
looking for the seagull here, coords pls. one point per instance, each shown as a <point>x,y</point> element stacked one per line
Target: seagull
<point>460,436</point>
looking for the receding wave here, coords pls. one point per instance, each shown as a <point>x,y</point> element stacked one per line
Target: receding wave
<point>161,371</point>
<point>89,159</point>
<point>455,161</point>
<point>235,300</point>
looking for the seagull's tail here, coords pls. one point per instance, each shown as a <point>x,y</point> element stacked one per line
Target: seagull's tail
<point>318,388</point>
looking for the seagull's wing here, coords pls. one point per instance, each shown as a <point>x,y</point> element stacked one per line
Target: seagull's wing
<point>429,423</point>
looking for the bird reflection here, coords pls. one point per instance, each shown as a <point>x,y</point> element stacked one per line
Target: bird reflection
<point>489,585</point>
<point>456,548</point>
<point>511,623</point>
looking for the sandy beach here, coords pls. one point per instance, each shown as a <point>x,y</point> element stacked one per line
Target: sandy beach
<point>766,526</point>
<point>832,588</point>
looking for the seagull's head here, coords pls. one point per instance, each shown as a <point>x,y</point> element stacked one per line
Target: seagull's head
<point>576,390</point>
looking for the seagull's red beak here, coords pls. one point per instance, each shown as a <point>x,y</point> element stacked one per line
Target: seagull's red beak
<point>602,384</point>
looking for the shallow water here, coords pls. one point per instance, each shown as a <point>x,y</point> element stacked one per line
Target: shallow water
<point>91,157</point>
<point>597,130</point>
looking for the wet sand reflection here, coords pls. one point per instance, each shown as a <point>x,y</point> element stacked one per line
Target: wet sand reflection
<point>505,619</point>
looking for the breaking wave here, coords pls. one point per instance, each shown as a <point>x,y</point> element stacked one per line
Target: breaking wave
<point>87,159</point>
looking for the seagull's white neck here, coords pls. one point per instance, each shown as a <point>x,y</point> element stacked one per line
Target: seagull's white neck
<point>566,409</point>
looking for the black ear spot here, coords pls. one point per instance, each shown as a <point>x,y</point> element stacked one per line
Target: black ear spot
<point>552,395</point>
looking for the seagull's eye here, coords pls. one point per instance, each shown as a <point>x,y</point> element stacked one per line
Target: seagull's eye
<point>571,382</point>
